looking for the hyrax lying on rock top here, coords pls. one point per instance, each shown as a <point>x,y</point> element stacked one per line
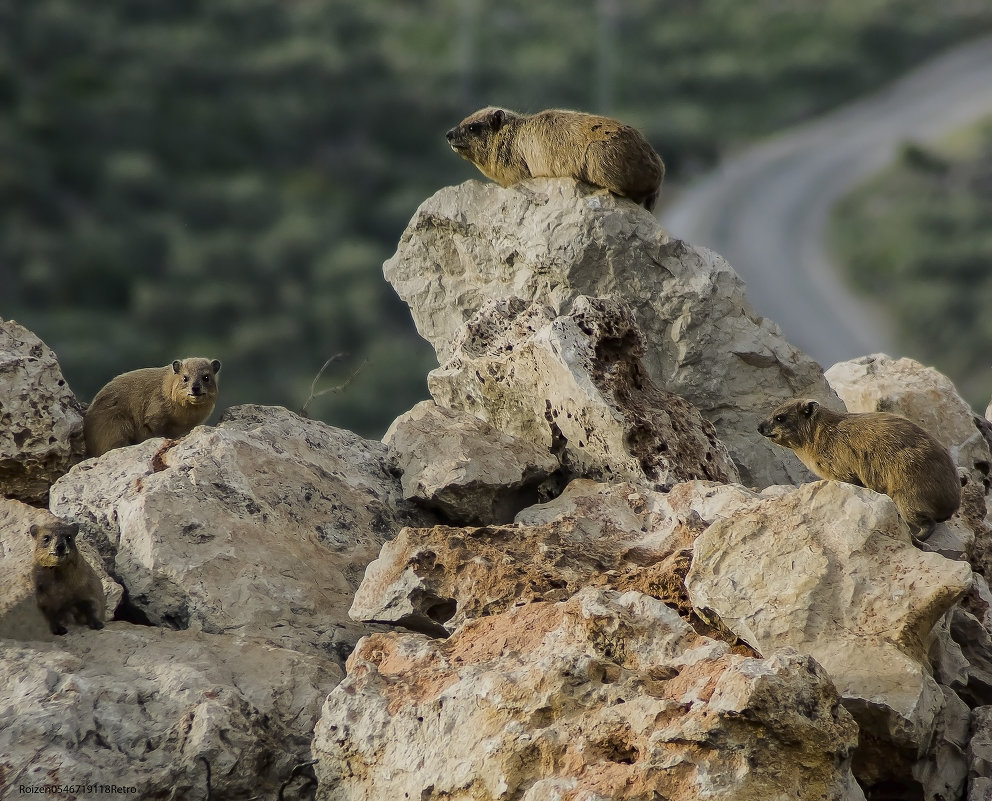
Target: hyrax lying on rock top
<point>884,452</point>
<point>67,588</point>
<point>152,402</point>
<point>509,147</point>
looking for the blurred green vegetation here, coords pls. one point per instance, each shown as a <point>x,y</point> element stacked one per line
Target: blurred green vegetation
<point>225,178</point>
<point>918,238</point>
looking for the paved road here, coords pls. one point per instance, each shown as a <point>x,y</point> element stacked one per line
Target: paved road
<point>766,209</point>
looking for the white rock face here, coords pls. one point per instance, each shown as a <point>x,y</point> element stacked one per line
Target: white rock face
<point>574,385</point>
<point>41,423</point>
<point>20,617</point>
<point>467,469</point>
<point>878,383</point>
<point>829,569</point>
<point>552,240</point>
<point>139,707</point>
<point>605,696</point>
<point>263,525</point>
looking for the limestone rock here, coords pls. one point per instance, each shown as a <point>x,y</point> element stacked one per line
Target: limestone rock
<point>551,240</point>
<point>878,383</point>
<point>139,707</point>
<point>575,385</point>
<point>605,696</point>
<point>980,755</point>
<point>20,617</point>
<point>829,570</point>
<point>623,536</point>
<point>41,422</point>
<point>263,525</point>
<point>465,468</point>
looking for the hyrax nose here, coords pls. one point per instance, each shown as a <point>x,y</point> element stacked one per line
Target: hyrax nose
<point>451,134</point>
<point>761,428</point>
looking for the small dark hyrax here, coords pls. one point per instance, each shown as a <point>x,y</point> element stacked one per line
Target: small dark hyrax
<point>67,588</point>
<point>509,147</point>
<point>152,402</point>
<point>881,451</point>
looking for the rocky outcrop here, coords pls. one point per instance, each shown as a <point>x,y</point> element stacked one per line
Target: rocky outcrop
<point>574,385</point>
<point>621,536</point>
<point>263,525</point>
<point>551,241</point>
<point>603,696</point>
<point>155,710</point>
<point>41,422</point>
<point>878,383</point>
<point>830,570</point>
<point>463,467</point>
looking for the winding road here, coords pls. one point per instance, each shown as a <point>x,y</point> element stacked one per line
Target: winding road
<point>766,209</point>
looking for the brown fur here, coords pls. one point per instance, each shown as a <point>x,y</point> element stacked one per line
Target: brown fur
<point>509,147</point>
<point>884,452</point>
<point>67,588</point>
<point>152,402</point>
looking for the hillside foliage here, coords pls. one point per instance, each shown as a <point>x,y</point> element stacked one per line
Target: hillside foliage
<point>918,238</point>
<point>225,178</point>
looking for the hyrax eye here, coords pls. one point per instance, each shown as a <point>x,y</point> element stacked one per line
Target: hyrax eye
<point>475,127</point>
<point>45,540</point>
<point>780,418</point>
<point>185,379</point>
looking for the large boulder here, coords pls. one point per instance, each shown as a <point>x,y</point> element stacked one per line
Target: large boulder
<point>553,240</point>
<point>604,696</point>
<point>263,525</point>
<point>830,570</point>
<point>41,422</point>
<point>574,384</point>
<point>158,711</point>
<point>465,468</point>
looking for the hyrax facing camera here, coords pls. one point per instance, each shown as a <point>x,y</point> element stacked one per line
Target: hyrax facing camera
<point>509,147</point>
<point>884,452</point>
<point>67,588</point>
<point>165,401</point>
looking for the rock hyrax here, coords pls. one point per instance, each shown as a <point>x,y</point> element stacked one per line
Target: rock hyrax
<point>881,451</point>
<point>152,402</point>
<point>67,588</point>
<point>509,147</point>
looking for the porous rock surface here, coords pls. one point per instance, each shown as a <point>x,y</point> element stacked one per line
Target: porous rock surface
<point>142,707</point>
<point>553,240</point>
<point>574,384</point>
<point>262,525</point>
<point>622,536</point>
<point>41,422</point>
<point>465,468</point>
<point>603,696</point>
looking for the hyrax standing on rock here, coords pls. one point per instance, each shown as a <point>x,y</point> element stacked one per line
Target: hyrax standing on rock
<point>67,588</point>
<point>884,452</point>
<point>509,147</point>
<point>152,402</point>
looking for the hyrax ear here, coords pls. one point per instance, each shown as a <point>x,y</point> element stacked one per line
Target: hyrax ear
<point>34,531</point>
<point>809,407</point>
<point>215,366</point>
<point>177,366</point>
<point>497,119</point>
